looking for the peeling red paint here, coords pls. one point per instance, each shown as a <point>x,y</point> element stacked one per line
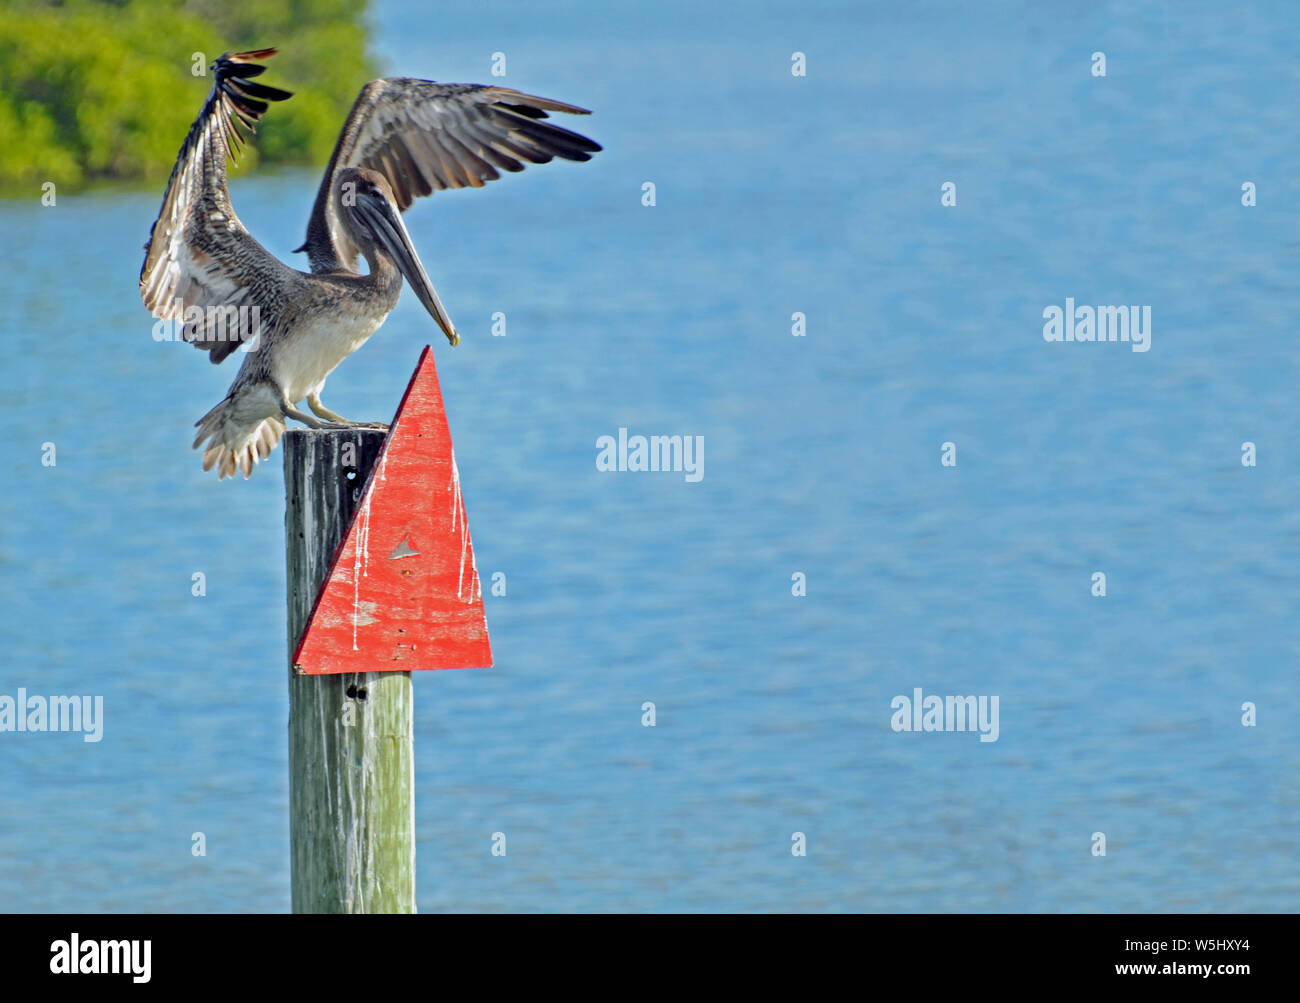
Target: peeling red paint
<point>404,592</point>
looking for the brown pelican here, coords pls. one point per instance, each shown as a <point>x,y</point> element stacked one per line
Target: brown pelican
<point>403,138</point>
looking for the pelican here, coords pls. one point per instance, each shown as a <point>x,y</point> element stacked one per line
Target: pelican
<point>203,270</point>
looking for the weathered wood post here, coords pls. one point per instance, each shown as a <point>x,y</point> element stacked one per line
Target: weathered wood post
<point>382,581</point>
<point>351,764</point>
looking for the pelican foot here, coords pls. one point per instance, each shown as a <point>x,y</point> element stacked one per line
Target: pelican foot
<point>289,411</point>
<point>324,413</point>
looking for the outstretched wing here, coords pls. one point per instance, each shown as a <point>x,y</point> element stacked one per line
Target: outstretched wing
<point>199,254</point>
<point>425,136</point>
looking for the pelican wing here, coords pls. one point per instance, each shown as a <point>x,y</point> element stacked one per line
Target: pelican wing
<point>424,136</point>
<point>199,255</point>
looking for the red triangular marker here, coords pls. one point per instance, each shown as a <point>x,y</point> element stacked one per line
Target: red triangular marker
<point>404,593</point>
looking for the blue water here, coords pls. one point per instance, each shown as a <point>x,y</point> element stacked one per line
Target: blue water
<point>775,194</point>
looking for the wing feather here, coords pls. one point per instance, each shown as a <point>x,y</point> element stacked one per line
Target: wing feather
<point>425,136</point>
<point>199,254</point>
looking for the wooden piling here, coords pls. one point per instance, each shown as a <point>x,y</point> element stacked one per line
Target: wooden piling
<point>351,763</point>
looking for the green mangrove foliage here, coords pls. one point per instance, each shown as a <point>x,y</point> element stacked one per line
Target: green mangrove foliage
<point>93,89</point>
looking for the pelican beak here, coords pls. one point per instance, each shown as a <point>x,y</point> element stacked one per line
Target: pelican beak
<point>386,222</point>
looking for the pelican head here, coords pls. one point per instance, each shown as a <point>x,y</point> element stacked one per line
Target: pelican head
<point>365,200</point>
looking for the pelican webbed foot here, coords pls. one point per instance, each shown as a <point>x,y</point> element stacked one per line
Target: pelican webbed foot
<point>289,411</point>
<point>314,402</point>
